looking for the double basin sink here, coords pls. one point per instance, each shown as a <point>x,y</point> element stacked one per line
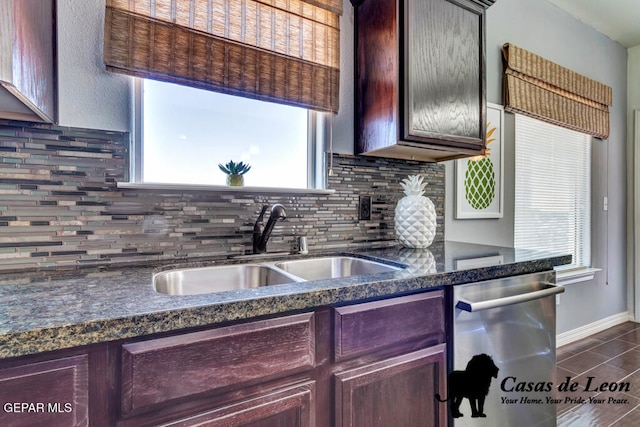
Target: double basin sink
<point>204,280</point>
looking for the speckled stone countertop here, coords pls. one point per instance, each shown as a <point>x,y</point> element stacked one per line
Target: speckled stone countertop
<point>51,310</point>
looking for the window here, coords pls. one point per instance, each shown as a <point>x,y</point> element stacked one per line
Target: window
<point>187,132</point>
<point>552,190</point>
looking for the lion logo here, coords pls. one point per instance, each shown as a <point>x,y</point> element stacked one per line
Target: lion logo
<point>472,383</point>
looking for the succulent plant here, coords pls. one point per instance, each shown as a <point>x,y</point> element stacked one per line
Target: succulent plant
<point>233,168</point>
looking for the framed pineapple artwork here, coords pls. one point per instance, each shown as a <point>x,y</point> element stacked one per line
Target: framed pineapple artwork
<point>479,192</point>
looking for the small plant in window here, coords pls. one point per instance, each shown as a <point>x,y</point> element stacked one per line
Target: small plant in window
<point>235,172</point>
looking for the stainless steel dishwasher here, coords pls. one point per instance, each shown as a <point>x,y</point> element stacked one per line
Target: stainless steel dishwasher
<point>513,320</point>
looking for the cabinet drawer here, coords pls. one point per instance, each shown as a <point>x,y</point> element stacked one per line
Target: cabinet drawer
<point>363,328</point>
<point>53,393</point>
<point>291,407</point>
<point>168,368</point>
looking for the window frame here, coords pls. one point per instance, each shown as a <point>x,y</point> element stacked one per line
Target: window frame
<point>317,123</point>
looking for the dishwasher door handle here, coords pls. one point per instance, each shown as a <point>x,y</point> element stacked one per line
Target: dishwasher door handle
<point>471,307</point>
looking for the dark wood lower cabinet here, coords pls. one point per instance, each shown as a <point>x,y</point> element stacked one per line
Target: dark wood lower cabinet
<point>398,392</point>
<point>375,364</point>
<point>176,368</point>
<point>291,407</point>
<point>51,393</point>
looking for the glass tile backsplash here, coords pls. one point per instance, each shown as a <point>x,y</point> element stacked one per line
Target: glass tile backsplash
<point>60,206</point>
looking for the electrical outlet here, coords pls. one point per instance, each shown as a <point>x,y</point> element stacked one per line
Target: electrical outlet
<point>364,208</point>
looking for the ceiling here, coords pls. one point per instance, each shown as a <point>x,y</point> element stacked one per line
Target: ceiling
<point>618,19</point>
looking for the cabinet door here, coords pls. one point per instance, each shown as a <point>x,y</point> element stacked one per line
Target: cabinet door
<point>420,78</point>
<point>397,392</point>
<point>53,393</point>
<point>444,71</point>
<point>290,407</point>
<point>28,60</point>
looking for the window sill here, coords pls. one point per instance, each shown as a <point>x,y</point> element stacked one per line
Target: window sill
<point>567,277</point>
<point>218,188</point>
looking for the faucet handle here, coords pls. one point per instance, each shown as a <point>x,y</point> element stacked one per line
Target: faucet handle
<point>261,215</point>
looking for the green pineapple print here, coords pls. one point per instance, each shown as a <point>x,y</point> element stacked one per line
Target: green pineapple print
<point>479,179</point>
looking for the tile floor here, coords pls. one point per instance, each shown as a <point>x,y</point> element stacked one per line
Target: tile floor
<point>611,356</point>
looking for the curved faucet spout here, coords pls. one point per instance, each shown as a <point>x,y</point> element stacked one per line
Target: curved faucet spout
<point>261,232</point>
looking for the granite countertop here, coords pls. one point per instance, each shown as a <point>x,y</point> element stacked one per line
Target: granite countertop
<point>50,310</point>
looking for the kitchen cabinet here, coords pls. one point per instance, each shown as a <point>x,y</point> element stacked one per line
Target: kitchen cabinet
<point>241,374</point>
<point>331,366</point>
<point>47,393</point>
<point>420,78</point>
<point>398,388</point>
<point>328,367</point>
<point>399,391</point>
<point>334,366</point>
<point>28,70</point>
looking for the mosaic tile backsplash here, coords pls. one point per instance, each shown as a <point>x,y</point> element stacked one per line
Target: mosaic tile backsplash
<point>60,205</point>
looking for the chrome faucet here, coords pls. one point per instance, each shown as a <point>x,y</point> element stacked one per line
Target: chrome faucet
<point>262,232</point>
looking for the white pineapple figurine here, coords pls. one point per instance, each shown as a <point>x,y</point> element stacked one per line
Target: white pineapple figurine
<point>415,215</point>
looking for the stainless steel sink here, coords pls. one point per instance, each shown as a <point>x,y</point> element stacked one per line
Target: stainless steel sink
<point>204,280</point>
<point>333,267</point>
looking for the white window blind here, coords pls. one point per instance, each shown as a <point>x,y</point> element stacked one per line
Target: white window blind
<point>553,190</point>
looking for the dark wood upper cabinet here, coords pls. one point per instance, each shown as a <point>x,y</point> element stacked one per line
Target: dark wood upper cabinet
<point>28,71</point>
<point>420,78</point>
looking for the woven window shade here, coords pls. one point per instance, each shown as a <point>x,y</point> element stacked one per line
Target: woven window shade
<point>284,51</point>
<point>542,89</point>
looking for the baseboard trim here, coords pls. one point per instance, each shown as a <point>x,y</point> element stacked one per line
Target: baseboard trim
<point>592,328</point>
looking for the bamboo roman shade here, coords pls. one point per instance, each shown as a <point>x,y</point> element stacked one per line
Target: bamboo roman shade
<point>542,89</point>
<point>283,51</point>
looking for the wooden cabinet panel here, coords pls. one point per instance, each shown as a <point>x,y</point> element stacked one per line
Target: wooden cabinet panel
<point>397,392</point>
<point>28,80</point>
<point>377,62</point>
<point>420,78</point>
<point>366,327</point>
<point>52,393</point>
<point>290,407</point>
<point>159,370</point>
<point>443,66</point>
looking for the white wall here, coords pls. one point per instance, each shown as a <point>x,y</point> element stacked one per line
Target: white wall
<point>343,122</point>
<point>89,96</point>
<point>544,29</point>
